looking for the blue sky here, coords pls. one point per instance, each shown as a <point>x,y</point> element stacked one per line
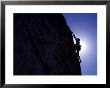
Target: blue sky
<point>84,26</point>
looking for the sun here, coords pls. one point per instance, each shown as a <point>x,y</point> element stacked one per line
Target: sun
<point>83,46</point>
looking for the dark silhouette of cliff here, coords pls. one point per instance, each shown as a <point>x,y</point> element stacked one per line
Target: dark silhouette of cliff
<point>43,45</point>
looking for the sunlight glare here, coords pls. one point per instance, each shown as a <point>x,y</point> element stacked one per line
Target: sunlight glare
<point>83,47</point>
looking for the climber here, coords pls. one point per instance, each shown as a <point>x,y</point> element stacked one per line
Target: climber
<point>77,47</point>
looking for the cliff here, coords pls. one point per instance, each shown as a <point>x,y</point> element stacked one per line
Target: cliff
<point>43,45</point>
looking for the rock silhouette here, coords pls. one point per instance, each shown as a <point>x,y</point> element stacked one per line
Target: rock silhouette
<point>43,45</point>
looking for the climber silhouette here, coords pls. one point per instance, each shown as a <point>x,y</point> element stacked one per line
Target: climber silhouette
<point>77,47</point>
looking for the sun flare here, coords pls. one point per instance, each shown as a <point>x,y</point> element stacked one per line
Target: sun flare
<point>83,47</point>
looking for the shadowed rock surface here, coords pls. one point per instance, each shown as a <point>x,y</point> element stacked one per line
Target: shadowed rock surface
<point>43,45</point>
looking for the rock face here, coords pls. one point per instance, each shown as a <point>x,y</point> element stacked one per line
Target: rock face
<point>43,45</point>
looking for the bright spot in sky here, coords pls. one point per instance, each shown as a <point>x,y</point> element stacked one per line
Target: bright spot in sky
<point>83,47</point>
